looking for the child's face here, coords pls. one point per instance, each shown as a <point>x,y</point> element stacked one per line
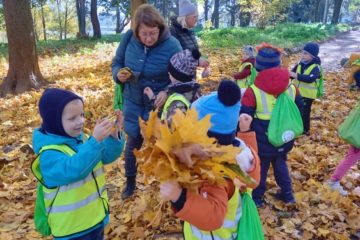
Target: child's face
<point>246,55</point>
<point>73,118</point>
<point>306,57</point>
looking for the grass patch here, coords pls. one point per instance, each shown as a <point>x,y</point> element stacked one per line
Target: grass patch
<point>68,46</point>
<point>284,35</point>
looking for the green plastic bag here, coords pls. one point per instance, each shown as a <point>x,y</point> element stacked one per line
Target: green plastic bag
<point>40,215</point>
<point>320,85</point>
<point>349,130</point>
<point>250,227</point>
<point>286,123</point>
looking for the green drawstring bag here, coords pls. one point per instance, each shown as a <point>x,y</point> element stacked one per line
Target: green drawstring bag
<point>252,75</point>
<point>286,123</point>
<point>250,227</point>
<point>320,85</point>
<point>40,215</point>
<point>349,130</point>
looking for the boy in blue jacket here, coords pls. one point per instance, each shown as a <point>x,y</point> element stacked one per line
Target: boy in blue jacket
<point>71,166</point>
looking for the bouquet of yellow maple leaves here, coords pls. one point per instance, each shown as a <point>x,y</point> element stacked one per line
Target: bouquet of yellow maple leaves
<point>164,145</point>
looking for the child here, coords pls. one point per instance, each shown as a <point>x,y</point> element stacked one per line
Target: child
<point>214,212</point>
<point>183,89</point>
<point>351,158</point>
<point>71,165</point>
<point>306,75</point>
<point>258,102</point>
<point>354,64</point>
<point>243,76</point>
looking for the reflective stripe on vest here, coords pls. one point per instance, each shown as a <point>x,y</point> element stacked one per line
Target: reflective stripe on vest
<point>78,206</point>
<point>308,90</point>
<point>265,102</point>
<point>173,97</point>
<point>227,231</point>
<point>245,82</point>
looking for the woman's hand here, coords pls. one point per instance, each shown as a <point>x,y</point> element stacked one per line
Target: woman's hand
<point>160,99</point>
<point>170,191</point>
<point>293,75</point>
<point>203,63</point>
<point>123,74</point>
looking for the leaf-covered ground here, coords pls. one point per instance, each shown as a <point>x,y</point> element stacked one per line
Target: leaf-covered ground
<point>319,213</point>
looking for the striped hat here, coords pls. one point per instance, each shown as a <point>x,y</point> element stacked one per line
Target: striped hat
<point>267,57</point>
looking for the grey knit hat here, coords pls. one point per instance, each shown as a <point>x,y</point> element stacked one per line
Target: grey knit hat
<point>186,8</point>
<point>183,65</point>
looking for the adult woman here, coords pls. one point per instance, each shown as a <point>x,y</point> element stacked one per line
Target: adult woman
<point>181,28</point>
<point>146,50</point>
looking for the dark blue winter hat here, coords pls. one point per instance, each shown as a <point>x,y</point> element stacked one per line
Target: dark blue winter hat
<point>357,78</point>
<point>267,57</point>
<point>224,108</point>
<point>312,48</point>
<point>51,106</point>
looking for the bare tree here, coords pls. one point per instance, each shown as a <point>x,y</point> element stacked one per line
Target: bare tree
<point>94,19</point>
<point>81,13</point>
<point>24,72</point>
<point>337,10</point>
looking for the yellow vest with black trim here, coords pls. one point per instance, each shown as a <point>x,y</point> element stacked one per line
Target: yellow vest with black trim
<point>173,97</point>
<point>246,82</point>
<point>74,207</point>
<point>308,90</point>
<point>229,228</point>
<point>265,102</point>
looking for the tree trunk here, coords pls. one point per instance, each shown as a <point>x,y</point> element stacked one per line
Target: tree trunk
<point>60,20</point>
<point>134,5</point>
<point>94,19</point>
<point>66,19</point>
<point>206,9</point>
<point>117,29</point>
<point>215,15</point>
<point>43,21</point>
<point>317,12</point>
<point>326,11</point>
<point>337,10</point>
<point>34,25</point>
<point>81,13</point>
<point>24,72</point>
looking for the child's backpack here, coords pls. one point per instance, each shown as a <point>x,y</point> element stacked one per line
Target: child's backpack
<point>349,130</point>
<point>286,123</point>
<point>249,227</point>
<point>320,84</point>
<point>40,214</point>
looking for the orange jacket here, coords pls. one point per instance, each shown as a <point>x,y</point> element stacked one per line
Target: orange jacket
<point>206,209</point>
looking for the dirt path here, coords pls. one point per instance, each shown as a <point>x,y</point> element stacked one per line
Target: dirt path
<point>331,52</point>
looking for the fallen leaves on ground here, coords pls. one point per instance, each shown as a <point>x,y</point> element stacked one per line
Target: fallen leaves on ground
<point>318,214</point>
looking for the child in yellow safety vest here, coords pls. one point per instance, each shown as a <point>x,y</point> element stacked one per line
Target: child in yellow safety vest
<point>354,64</point>
<point>70,168</point>
<point>306,75</point>
<point>215,211</point>
<point>247,73</point>
<point>183,89</point>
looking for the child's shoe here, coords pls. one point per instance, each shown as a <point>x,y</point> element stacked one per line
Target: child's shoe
<point>259,203</point>
<point>335,186</point>
<point>289,199</point>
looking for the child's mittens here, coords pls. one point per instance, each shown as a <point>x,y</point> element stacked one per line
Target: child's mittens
<point>245,158</point>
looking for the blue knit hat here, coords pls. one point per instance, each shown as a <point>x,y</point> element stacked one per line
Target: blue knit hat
<point>51,106</point>
<point>312,48</point>
<point>267,57</point>
<point>357,78</point>
<point>224,117</point>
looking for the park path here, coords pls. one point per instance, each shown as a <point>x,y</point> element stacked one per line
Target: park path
<point>332,51</point>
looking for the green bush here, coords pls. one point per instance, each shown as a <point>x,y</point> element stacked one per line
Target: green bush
<point>284,35</point>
